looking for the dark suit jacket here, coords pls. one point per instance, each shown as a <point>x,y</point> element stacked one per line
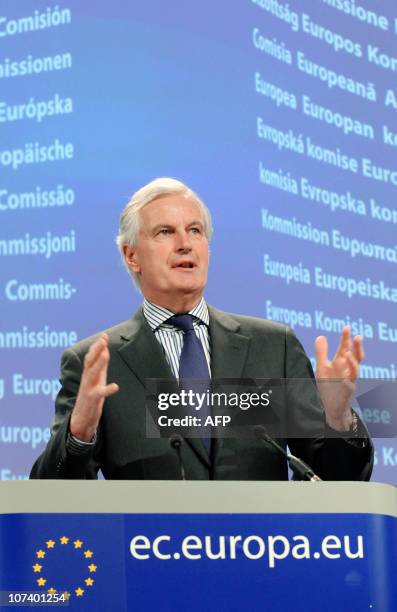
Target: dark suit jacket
<point>240,347</point>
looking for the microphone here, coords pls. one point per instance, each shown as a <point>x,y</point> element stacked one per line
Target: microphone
<point>298,467</point>
<point>176,443</point>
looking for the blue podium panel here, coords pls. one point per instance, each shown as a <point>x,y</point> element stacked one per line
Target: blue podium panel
<point>203,561</point>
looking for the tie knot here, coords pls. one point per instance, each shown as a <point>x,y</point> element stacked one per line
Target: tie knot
<point>182,321</point>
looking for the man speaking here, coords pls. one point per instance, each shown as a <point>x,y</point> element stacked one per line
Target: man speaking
<point>100,416</point>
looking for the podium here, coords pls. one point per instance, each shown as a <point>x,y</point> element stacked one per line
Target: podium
<point>224,546</point>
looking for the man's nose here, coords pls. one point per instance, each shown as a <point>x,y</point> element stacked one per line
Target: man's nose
<point>183,242</point>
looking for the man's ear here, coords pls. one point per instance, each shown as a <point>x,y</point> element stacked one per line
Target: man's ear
<point>131,258</point>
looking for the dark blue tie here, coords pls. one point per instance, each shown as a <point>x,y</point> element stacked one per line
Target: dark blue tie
<point>193,368</point>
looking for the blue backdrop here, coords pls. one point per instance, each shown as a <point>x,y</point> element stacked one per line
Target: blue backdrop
<point>282,116</point>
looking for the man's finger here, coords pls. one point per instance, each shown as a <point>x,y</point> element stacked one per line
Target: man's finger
<point>345,342</point>
<point>354,366</point>
<point>321,346</point>
<point>109,390</point>
<point>358,348</point>
<point>95,349</point>
<point>98,368</point>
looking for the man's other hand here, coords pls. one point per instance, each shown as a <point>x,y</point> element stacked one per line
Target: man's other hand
<point>336,378</point>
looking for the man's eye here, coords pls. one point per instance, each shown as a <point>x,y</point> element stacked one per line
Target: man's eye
<point>195,230</point>
<point>164,231</point>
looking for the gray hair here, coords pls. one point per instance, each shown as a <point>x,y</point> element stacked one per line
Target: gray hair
<point>130,218</point>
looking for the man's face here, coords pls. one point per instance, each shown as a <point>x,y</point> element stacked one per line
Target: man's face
<point>171,256</point>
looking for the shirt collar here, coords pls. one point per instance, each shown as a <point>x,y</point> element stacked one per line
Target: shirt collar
<point>157,315</point>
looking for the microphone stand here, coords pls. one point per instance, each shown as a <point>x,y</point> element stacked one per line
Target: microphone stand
<point>298,467</point>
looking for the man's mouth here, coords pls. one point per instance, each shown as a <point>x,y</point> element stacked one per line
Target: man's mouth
<point>187,265</point>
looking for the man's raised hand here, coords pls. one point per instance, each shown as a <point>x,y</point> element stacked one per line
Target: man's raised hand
<point>92,392</point>
<point>336,378</point>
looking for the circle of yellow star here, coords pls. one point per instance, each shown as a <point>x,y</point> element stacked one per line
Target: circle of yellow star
<point>51,544</point>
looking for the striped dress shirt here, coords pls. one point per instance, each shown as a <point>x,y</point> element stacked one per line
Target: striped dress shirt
<point>171,338</point>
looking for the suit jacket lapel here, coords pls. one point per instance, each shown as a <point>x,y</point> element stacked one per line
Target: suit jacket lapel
<point>143,353</point>
<point>229,350</point>
<point>229,347</point>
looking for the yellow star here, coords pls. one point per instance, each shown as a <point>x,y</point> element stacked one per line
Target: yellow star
<point>41,581</point>
<point>78,543</point>
<point>64,540</point>
<point>88,554</point>
<point>40,554</point>
<point>50,543</point>
<point>66,594</point>
<point>79,592</point>
<point>89,581</point>
<point>51,590</point>
<point>37,567</point>
<point>92,567</point>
